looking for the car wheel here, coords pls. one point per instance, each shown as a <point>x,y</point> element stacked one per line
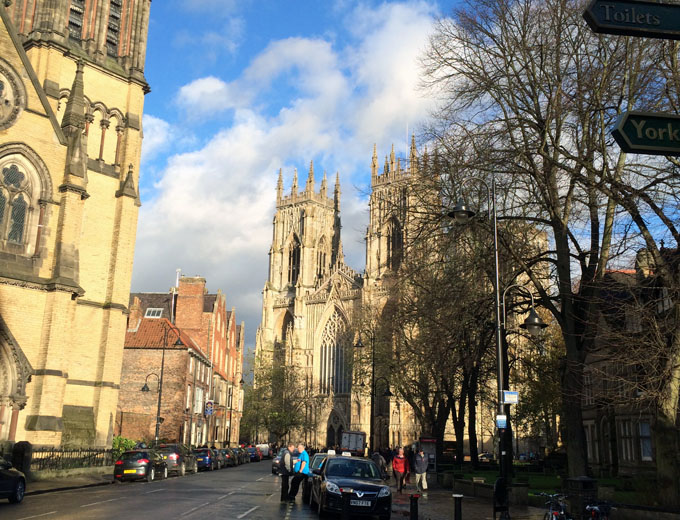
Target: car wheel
<point>182,469</point>
<point>18,494</point>
<point>150,474</point>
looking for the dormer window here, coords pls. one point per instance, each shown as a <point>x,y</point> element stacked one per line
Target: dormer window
<point>153,312</point>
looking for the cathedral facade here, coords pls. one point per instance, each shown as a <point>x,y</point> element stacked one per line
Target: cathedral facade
<point>72,92</point>
<point>315,306</point>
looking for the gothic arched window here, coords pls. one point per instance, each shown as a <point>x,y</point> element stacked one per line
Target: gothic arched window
<point>294,261</point>
<point>395,245</point>
<point>335,364</point>
<point>321,258</point>
<point>15,196</point>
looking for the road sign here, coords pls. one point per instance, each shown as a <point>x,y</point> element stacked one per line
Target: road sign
<point>648,133</point>
<point>634,18</point>
<point>209,407</point>
<point>501,421</point>
<point>510,397</point>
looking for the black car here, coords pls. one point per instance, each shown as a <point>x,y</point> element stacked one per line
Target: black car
<point>206,458</point>
<point>179,458</point>
<point>12,482</point>
<point>140,464</point>
<point>242,455</point>
<point>229,457</point>
<point>358,476</point>
<point>315,463</point>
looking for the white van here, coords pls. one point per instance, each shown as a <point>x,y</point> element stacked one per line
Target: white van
<point>266,451</point>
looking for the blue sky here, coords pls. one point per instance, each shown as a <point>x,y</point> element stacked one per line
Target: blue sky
<point>241,88</point>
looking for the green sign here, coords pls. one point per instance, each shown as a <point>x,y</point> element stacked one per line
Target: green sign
<point>634,18</point>
<point>643,132</point>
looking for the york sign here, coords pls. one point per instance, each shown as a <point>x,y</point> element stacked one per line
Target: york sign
<point>634,18</point>
<point>643,132</point>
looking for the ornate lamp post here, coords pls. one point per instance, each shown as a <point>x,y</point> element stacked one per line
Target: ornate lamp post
<point>166,330</point>
<point>462,214</point>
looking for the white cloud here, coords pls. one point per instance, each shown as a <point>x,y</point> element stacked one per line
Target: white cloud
<point>298,99</point>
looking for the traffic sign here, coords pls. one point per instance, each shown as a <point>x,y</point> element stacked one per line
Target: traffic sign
<point>510,397</point>
<point>501,421</point>
<point>209,407</point>
<point>634,18</point>
<point>648,133</point>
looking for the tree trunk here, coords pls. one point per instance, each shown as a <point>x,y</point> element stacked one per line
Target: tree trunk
<point>472,416</point>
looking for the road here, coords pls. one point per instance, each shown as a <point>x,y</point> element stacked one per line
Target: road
<point>247,492</point>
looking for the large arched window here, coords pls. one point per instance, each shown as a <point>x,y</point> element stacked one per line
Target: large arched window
<point>294,261</point>
<point>15,198</point>
<point>321,258</point>
<point>336,363</point>
<point>395,244</point>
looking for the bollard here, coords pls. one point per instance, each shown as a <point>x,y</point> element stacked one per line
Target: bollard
<point>346,494</point>
<point>414,506</point>
<point>458,507</point>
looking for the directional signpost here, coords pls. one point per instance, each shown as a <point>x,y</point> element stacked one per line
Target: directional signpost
<point>643,132</point>
<point>634,18</point>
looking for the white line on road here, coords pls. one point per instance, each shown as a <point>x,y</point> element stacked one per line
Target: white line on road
<point>259,479</point>
<point>37,516</point>
<point>102,502</point>
<point>223,496</point>
<point>194,509</point>
<point>243,515</point>
<point>154,491</point>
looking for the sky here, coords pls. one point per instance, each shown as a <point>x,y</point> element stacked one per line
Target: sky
<point>241,88</point>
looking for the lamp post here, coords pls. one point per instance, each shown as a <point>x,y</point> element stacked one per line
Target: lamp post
<point>359,344</point>
<point>166,330</point>
<point>231,408</point>
<point>462,214</point>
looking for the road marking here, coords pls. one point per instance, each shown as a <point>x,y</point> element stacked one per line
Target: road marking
<point>243,515</point>
<point>102,502</point>
<point>223,496</point>
<point>194,509</point>
<point>154,491</point>
<point>259,479</point>
<point>37,516</point>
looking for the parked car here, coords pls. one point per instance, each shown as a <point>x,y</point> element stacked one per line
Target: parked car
<point>370,493</point>
<point>12,482</point>
<point>221,458</point>
<point>255,454</point>
<point>140,464</point>
<point>229,456</point>
<point>205,458</point>
<point>243,455</point>
<point>179,458</point>
<point>485,457</point>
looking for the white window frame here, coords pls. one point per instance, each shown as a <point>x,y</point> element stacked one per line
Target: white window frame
<point>153,312</point>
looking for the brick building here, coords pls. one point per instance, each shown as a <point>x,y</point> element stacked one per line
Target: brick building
<point>207,366</point>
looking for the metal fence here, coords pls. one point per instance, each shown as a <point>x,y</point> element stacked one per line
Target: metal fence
<point>57,458</point>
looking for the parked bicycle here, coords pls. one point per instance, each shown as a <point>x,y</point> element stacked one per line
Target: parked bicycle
<point>600,510</point>
<point>556,507</point>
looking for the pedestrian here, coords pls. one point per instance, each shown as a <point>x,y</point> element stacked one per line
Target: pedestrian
<point>286,470</point>
<point>380,462</point>
<point>301,471</point>
<point>400,468</point>
<point>420,467</point>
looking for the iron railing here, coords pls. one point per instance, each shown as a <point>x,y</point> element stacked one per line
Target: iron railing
<point>58,458</point>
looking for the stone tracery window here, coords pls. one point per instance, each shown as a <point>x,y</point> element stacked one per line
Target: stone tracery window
<point>395,244</point>
<point>335,360</point>
<point>294,261</point>
<point>15,195</point>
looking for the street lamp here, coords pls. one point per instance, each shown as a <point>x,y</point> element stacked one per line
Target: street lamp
<point>462,213</point>
<point>166,330</point>
<point>359,344</point>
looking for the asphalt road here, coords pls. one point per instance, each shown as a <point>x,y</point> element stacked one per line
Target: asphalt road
<point>246,492</point>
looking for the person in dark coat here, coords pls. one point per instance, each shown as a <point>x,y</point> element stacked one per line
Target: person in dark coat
<point>286,470</point>
<point>420,463</point>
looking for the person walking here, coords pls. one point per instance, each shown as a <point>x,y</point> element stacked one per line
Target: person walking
<point>301,471</point>
<point>400,468</point>
<point>380,462</point>
<point>286,470</point>
<point>420,467</point>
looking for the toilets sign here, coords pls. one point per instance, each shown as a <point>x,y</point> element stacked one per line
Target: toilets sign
<point>647,133</point>
<point>634,18</point>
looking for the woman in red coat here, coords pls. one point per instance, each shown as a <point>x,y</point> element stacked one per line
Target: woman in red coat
<point>401,468</point>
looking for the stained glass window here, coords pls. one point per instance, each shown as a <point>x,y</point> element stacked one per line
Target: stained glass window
<point>16,229</point>
<point>335,362</point>
<point>14,203</point>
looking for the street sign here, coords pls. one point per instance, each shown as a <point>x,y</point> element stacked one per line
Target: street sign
<point>209,407</point>
<point>648,133</point>
<point>634,18</point>
<point>510,397</point>
<point>501,421</point>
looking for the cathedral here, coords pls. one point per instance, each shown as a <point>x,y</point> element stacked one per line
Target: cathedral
<point>313,303</point>
<point>72,90</point>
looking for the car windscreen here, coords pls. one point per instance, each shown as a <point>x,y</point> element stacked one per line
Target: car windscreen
<point>134,455</point>
<point>203,452</point>
<point>316,462</point>
<point>352,468</point>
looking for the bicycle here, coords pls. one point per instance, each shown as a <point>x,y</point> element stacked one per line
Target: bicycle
<point>557,507</point>
<point>600,510</point>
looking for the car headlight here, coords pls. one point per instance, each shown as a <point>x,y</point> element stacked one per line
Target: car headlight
<point>332,487</point>
<point>385,492</point>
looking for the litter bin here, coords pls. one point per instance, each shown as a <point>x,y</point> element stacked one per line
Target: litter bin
<point>580,492</point>
<point>22,454</point>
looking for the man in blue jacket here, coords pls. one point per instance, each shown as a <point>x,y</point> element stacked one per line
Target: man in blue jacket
<point>301,471</point>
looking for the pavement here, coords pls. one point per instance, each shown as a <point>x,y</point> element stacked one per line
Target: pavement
<point>245,492</point>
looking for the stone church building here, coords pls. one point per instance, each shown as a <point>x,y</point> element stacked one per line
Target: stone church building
<point>313,301</point>
<point>72,92</point>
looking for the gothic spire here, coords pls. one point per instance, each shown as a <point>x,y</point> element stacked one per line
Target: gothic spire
<point>309,188</point>
<point>413,156</point>
<point>279,186</point>
<point>374,165</point>
<point>386,168</point>
<point>324,185</point>
<point>294,187</point>
<point>392,165</point>
<point>73,125</point>
<point>336,195</point>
